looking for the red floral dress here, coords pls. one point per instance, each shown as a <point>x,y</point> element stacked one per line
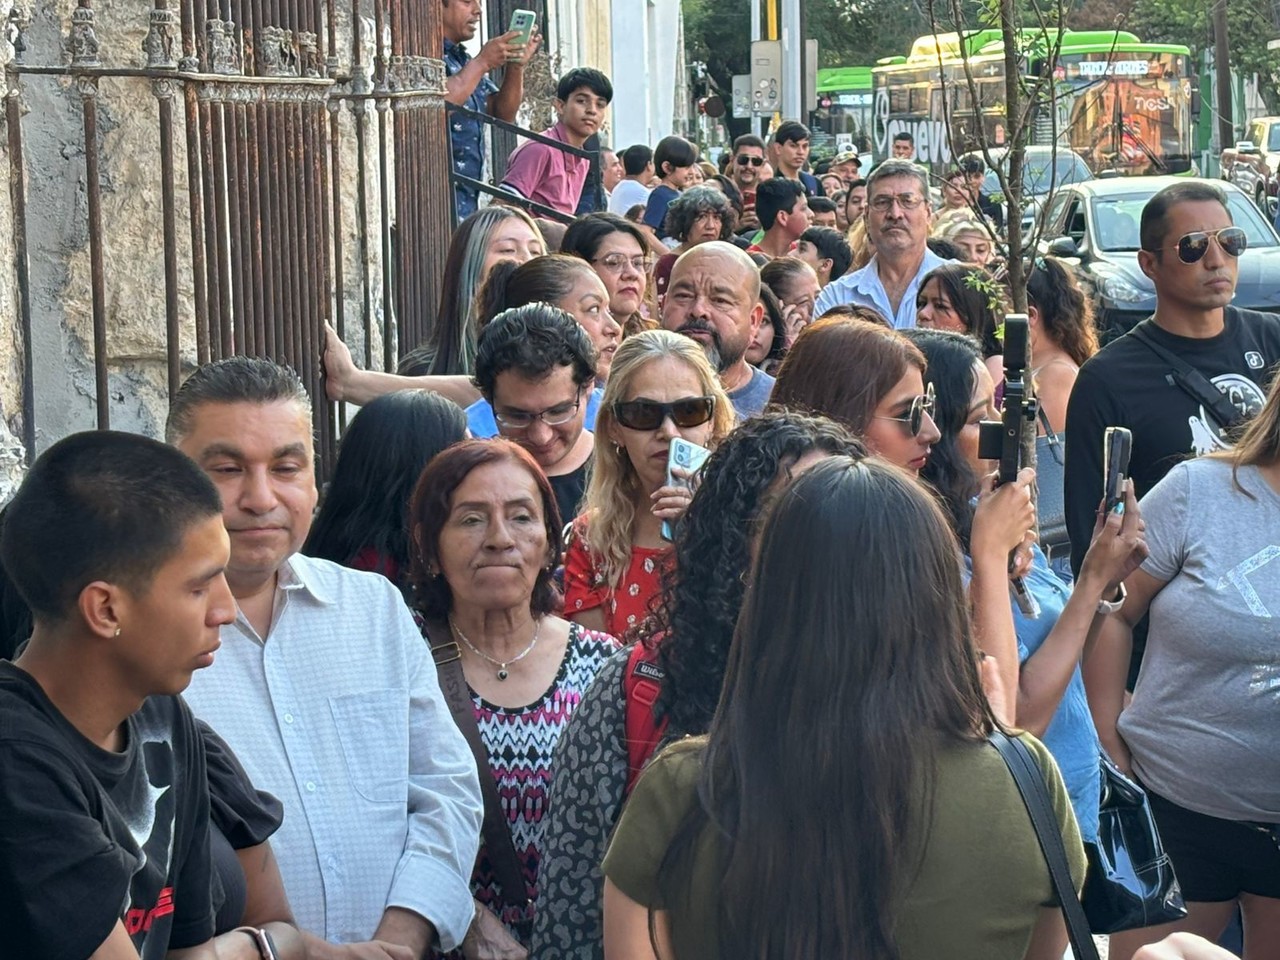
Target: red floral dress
<point>624,606</point>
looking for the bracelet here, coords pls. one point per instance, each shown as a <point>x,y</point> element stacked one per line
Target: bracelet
<point>1107,607</point>
<point>262,940</point>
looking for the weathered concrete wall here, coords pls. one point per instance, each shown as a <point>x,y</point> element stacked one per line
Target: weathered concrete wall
<point>54,162</point>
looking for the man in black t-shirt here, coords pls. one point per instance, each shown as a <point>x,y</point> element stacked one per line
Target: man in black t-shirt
<point>1131,384</point>
<point>116,544</point>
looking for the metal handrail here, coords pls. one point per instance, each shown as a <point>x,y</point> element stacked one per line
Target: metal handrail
<point>542,210</point>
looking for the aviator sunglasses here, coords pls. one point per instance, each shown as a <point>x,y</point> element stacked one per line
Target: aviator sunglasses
<point>1193,246</point>
<point>914,420</point>
<point>649,414</point>
<point>754,161</point>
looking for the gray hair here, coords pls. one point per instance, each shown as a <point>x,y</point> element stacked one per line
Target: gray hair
<point>685,209</point>
<point>232,380</point>
<point>898,168</point>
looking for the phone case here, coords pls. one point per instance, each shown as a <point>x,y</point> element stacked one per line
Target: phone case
<point>687,456</point>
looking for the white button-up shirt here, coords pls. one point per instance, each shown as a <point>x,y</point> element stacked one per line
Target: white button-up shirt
<point>339,714</point>
<point>863,288</point>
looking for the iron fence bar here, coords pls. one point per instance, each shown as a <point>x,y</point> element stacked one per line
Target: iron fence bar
<point>541,209</point>
<point>21,265</point>
<point>521,131</point>
<point>168,202</point>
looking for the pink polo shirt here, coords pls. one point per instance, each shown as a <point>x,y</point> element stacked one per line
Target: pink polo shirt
<point>546,175</point>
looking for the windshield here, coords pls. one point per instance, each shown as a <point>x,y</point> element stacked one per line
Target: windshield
<point>1039,177</point>
<point>1116,221</point>
<point>1274,145</point>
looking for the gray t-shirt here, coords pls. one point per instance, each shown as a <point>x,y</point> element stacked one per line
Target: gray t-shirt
<point>751,398</point>
<point>1202,726</point>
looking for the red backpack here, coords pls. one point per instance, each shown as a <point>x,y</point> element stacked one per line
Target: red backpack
<point>641,685</point>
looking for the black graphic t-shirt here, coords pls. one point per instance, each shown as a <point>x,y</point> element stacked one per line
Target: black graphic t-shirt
<point>1125,385</point>
<point>89,838</point>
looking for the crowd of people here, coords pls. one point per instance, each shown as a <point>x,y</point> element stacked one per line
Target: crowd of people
<point>516,686</point>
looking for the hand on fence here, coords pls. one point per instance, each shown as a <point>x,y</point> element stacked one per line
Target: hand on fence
<point>338,365</point>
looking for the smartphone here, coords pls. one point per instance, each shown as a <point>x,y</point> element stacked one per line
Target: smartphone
<point>1117,445</point>
<point>522,22</point>
<point>688,456</point>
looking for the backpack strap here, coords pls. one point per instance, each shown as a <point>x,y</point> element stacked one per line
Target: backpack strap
<point>1192,382</point>
<point>641,687</point>
<point>495,830</point>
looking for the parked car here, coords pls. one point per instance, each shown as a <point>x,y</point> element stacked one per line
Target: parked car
<point>1042,173</point>
<point>1095,227</point>
<point>1253,164</point>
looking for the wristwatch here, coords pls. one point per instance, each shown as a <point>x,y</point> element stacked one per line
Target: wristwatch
<point>262,940</point>
<point>1106,607</point>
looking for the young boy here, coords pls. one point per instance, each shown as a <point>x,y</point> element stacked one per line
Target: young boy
<point>116,544</point>
<point>546,175</point>
<point>673,158</point>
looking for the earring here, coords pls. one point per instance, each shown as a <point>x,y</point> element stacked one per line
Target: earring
<point>117,633</point>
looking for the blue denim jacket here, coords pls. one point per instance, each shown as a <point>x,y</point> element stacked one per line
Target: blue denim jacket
<point>466,134</point>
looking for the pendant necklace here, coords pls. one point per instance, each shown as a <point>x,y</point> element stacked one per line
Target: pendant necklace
<point>503,672</point>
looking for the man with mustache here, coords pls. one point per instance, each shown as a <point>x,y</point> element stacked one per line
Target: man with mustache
<point>898,227</point>
<point>326,691</point>
<point>714,297</point>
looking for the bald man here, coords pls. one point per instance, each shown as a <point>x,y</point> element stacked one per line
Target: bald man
<point>713,297</point>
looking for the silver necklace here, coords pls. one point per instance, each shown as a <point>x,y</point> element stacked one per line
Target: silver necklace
<point>503,672</point>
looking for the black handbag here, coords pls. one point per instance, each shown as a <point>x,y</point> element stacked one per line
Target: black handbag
<point>1051,507</point>
<point>1131,882</point>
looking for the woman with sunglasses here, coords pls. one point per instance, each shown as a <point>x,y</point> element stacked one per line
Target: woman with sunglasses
<point>1043,653</point>
<point>617,251</point>
<point>662,387</point>
<point>1200,730</point>
<point>869,378</point>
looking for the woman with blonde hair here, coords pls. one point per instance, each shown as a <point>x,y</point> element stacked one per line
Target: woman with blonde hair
<point>661,387</point>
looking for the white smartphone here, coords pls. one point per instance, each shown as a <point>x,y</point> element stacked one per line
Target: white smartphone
<point>522,22</point>
<point>688,456</point>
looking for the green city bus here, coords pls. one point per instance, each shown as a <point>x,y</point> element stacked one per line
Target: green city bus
<point>844,109</point>
<point>1121,104</point>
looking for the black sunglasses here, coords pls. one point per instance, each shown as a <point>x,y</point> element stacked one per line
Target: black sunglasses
<point>649,414</point>
<point>913,422</point>
<point>754,161</point>
<point>1192,247</point>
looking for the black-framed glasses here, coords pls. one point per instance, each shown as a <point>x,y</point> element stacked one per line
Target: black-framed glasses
<point>552,416</point>
<point>614,262</point>
<point>650,414</point>
<point>744,159</point>
<point>913,422</point>
<point>1193,246</point>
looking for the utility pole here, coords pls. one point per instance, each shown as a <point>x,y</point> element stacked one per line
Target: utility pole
<point>1221,58</point>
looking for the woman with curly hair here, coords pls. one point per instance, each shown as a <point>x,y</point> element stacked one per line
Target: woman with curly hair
<point>693,630</point>
<point>1063,337</point>
<point>662,387</point>
<point>696,216</point>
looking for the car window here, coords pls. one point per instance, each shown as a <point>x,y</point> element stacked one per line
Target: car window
<point>1118,218</point>
<point>1075,221</point>
<point>1053,215</point>
<point>1273,145</point>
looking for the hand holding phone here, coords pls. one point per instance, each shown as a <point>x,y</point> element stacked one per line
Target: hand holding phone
<point>522,23</point>
<point>1117,445</point>
<point>684,460</point>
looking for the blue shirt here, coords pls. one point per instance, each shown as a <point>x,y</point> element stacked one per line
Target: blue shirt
<point>1070,736</point>
<point>466,134</point>
<point>752,397</point>
<point>863,288</point>
<point>481,422</point>
<point>655,211</point>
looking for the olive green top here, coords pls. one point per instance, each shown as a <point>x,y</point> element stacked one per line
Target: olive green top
<point>975,897</point>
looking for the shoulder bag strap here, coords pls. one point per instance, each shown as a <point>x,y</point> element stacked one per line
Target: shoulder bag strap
<point>1192,382</point>
<point>1030,781</point>
<point>495,830</point>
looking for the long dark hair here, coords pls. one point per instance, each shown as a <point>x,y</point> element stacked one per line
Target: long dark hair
<point>546,279</point>
<point>978,301</point>
<point>584,236</point>
<point>385,448</point>
<point>697,614</point>
<point>844,680</point>
<point>1066,315</point>
<point>952,371</point>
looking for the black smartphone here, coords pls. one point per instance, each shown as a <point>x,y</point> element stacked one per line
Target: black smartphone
<point>1117,445</point>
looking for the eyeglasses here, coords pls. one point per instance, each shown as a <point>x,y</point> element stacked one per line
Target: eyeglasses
<point>552,416</point>
<point>1192,247</point>
<point>914,420</point>
<point>650,415</point>
<point>908,201</point>
<point>615,262</point>
<point>754,161</point>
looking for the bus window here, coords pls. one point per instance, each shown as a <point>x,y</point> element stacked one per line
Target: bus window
<point>899,98</point>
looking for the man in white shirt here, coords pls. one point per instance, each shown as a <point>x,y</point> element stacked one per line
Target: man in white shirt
<point>633,189</point>
<point>898,226</point>
<point>326,690</point>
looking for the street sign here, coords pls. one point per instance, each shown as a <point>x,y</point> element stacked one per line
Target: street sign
<point>742,96</point>
<point>766,76</point>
